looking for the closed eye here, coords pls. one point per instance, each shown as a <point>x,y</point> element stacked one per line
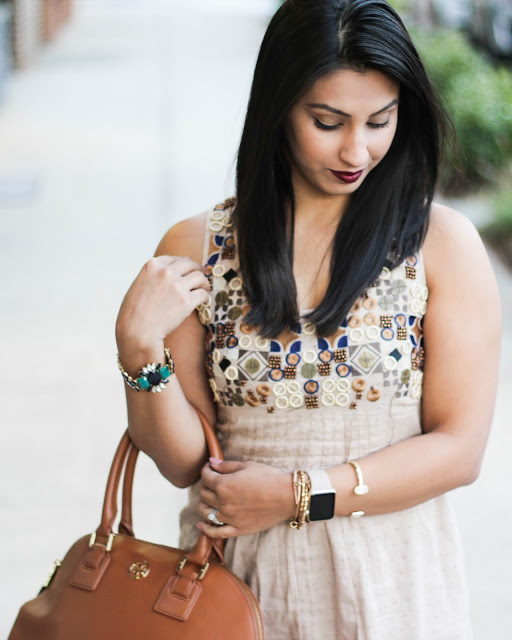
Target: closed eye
<point>375,125</point>
<point>325,127</point>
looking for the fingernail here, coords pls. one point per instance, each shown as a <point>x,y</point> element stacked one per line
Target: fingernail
<point>215,460</point>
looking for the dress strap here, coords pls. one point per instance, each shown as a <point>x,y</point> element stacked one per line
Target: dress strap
<point>218,239</point>
<point>207,236</point>
<point>421,275</point>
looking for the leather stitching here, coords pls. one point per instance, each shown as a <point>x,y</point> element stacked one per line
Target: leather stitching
<point>166,610</point>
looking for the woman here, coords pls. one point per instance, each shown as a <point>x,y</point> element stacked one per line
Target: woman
<point>322,353</point>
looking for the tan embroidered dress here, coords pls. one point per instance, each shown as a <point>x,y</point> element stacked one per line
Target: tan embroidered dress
<point>306,402</point>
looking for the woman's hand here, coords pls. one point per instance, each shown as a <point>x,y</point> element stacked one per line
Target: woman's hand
<point>248,496</point>
<point>162,296</point>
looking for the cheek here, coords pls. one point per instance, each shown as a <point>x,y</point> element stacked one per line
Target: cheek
<point>382,146</point>
<point>308,147</point>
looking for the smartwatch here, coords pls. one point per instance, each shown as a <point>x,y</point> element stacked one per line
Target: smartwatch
<point>322,496</point>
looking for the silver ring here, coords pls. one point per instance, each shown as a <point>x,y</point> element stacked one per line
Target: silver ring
<point>212,517</point>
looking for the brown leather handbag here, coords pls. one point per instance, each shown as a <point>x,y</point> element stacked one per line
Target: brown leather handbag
<point>111,585</point>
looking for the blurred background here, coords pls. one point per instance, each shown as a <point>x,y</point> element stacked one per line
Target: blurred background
<point>117,119</point>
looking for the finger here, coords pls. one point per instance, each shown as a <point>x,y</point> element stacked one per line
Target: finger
<point>166,260</point>
<point>209,479</point>
<point>212,473</point>
<point>226,466</point>
<point>209,497</point>
<point>205,510</point>
<point>196,280</point>
<point>226,531</point>
<point>198,297</point>
<point>183,266</point>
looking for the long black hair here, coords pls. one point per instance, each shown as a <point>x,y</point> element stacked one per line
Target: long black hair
<point>387,215</point>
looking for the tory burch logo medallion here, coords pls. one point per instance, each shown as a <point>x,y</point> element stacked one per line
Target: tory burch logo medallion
<point>138,570</point>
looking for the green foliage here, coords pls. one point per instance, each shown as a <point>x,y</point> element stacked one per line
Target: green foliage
<point>478,97</point>
<point>499,232</point>
<point>400,5</point>
<point>502,207</point>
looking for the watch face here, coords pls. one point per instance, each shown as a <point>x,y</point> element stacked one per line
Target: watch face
<point>322,506</point>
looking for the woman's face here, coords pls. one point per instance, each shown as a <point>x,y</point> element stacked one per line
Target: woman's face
<point>340,130</point>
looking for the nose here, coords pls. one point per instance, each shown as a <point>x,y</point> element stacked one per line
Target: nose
<point>353,151</point>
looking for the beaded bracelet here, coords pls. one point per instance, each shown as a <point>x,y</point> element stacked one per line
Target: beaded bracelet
<point>301,489</point>
<point>152,377</point>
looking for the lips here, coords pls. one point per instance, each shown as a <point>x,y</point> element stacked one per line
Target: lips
<point>346,176</point>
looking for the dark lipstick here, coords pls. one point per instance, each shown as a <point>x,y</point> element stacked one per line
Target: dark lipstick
<point>346,176</point>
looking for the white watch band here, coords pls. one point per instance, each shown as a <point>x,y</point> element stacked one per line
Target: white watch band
<point>320,481</point>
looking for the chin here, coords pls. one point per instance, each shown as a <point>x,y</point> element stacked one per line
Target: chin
<point>344,189</point>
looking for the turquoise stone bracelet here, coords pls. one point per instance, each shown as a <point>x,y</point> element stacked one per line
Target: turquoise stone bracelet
<point>152,377</point>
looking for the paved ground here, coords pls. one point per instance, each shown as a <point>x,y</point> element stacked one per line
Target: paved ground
<point>127,124</point>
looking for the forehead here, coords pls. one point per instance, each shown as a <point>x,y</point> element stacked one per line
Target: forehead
<point>345,87</point>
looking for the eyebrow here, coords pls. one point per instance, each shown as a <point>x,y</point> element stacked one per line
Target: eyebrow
<point>326,107</point>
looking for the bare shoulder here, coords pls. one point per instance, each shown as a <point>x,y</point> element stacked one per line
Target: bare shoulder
<point>462,330</point>
<point>186,238</point>
<point>453,251</point>
<point>449,222</point>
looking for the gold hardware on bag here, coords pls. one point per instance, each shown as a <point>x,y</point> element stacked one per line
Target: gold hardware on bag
<point>110,540</point>
<point>53,571</point>
<point>139,570</point>
<point>203,571</point>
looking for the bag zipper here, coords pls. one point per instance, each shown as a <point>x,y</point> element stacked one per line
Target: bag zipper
<point>256,609</point>
<point>253,601</point>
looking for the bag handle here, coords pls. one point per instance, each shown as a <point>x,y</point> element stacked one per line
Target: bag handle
<point>109,511</point>
<point>126,522</point>
<point>126,458</point>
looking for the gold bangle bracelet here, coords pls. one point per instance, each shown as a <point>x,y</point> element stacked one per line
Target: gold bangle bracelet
<point>302,490</point>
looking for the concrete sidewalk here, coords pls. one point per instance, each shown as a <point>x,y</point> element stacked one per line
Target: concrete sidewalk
<point>104,144</point>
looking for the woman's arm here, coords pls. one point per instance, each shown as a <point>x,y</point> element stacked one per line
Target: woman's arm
<point>462,331</point>
<point>157,312</point>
